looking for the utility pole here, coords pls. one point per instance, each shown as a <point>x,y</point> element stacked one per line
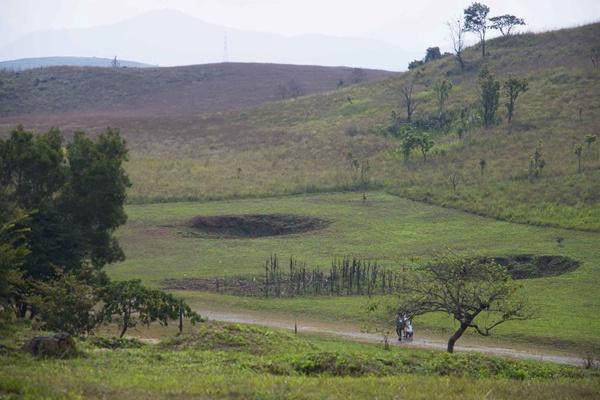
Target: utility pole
<point>225,49</point>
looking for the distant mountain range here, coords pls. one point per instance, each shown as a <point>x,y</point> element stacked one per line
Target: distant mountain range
<point>169,38</point>
<point>30,63</point>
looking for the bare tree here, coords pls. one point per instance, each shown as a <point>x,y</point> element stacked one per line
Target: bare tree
<point>595,57</point>
<point>407,96</point>
<point>457,35</point>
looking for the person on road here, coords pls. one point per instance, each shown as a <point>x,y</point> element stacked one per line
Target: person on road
<point>408,329</point>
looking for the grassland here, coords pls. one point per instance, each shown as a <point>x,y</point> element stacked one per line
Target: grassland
<point>386,228</point>
<point>236,361</point>
<point>302,145</point>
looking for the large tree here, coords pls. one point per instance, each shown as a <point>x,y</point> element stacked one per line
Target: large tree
<point>74,194</point>
<point>476,22</point>
<point>477,293</point>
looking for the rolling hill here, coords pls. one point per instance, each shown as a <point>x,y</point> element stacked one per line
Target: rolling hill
<point>42,62</point>
<point>166,91</point>
<point>304,145</point>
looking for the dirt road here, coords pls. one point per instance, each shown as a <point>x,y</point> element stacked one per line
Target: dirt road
<point>347,333</point>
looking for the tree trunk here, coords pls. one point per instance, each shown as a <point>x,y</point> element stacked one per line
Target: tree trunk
<point>125,324</point>
<point>483,47</point>
<point>456,336</point>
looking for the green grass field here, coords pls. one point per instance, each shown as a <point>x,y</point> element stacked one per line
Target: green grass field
<point>386,228</point>
<point>234,361</point>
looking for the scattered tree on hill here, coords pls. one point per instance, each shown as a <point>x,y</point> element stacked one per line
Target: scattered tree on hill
<point>482,165</point>
<point>407,96</point>
<point>489,89</point>
<point>454,180</point>
<point>595,57</point>
<point>132,302</point>
<point>415,64</point>
<point>505,23</point>
<point>290,90</point>
<point>478,294</point>
<point>513,87</point>
<point>536,163</point>
<point>578,152</point>
<point>476,22</point>
<point>432,53</point>
<point>358,75</point>
<point>457,35</point>
<point>589,140</point>
<point>424,143</point>
<point>442,91</point>
<point>115,63</point>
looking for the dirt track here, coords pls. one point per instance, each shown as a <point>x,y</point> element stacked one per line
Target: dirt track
<point>330,329</point>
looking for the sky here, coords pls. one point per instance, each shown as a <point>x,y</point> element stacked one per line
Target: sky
<point>411,25</point>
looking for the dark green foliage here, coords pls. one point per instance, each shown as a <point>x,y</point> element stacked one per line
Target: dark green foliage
<point>505,23</point>
<point>13,251</point>
<point>526,266</point>
<point>432,53</point>
<point>513,87</point>
<point>415,64</point>
<point>131,302</point>
<point>476,22</point>
<point>442,92</point>
<point>489,94</point>
<point>65,304</point>
<point>75,197</point>
<point>536,163</point>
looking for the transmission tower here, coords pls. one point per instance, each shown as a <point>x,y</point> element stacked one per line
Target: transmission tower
<point>225,49</point>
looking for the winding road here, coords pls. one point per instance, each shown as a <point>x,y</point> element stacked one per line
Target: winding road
<point>347,333</point>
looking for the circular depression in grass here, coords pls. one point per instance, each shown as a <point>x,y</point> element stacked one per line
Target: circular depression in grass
<point>255,225</point>
<point>527,266</point>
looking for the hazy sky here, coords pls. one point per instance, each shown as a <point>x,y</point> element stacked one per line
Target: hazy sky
<point>410,24</point>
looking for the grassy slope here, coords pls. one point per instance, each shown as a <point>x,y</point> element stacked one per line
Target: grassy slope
<point>302,145</point>
<point>172,91</point>
<point>237,361</point>
<point>387,228</point>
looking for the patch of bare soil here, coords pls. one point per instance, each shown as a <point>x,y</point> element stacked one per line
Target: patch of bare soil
<point>255,225</point>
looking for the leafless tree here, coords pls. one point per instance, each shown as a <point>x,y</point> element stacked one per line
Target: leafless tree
<point>407,96</point>
<point>457,35</point>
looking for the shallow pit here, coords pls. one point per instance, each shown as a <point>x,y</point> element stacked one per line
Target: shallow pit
<point>255,225</point>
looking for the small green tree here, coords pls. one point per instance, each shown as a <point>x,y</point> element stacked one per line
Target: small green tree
<point>536,163</point>
<point>442,92</point>
<point>13,251</point>
<point>477,293</point>
<point>505,23</point>
<point>132,302</point>
<point>578,152</point>
<point>65,304</point>
<point>589,140</point>
<point>476,22</point>
<point>513,87</point>
<point>425,144</point>
<point>489,94</point>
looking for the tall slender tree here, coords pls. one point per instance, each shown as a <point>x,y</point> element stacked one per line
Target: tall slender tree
<point>476,21</point>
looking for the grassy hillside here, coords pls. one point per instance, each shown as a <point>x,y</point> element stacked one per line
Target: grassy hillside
<point>171,91</point>
<point>235,361</point>
<point>302,145</point>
